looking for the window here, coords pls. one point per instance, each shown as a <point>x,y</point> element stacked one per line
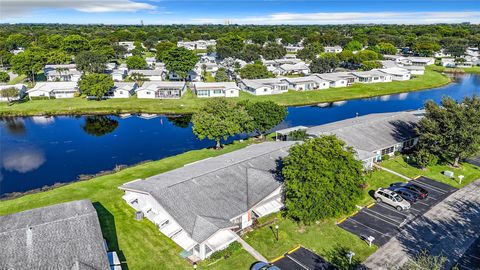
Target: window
<point>202,93</point>
<point>121,92</point>
<point>217,91</point>
<point>231,91</point>
<point>387,151</point>
<point>148,92</point>
<point>409,143</point>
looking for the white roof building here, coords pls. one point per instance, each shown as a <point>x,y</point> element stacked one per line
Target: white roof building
<point>216,89</point>
<point>54,90</point>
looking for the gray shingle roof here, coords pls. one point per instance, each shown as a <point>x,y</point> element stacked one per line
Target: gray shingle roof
<point>373,131</point>
<point>62,236</point>
<point>203,197</point>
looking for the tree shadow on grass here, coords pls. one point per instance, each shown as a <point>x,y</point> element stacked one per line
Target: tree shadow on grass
<point>338,256</point>
<point>109,231</point>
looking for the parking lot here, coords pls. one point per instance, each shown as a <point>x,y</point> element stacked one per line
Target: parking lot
<point>302,259</point>
<point>383,221</point>
<point>474,161</point>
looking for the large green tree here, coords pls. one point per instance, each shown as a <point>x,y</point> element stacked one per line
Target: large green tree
<point>220,118</point>
<point>322,179</point>
<point>96,85</point>
<point>265,114</point>
<point>255,71</point>
<point>180,60</point>
<point>251,52</point>
<point>4,77</point>
<point>90,62</point>
<point>229,46</point>
<point>75,43</point>
<point>136,62</point>
<point>30,62</point>
<point>451,130</point>
<point>310,51</point>
<point>99,125</point>
<point>221,75</point>
<point>9,93</point>
<point>273,51</point>
<point>353,45</point>
<point>328,62</point>
<point>162,48</point>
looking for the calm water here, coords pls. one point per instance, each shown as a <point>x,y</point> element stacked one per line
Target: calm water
<point>40,151</point>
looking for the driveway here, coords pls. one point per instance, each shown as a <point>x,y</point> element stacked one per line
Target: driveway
<point>449,229</point>
<point>475,161</point>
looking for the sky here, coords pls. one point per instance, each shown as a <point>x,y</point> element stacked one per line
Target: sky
<point>239,12</point>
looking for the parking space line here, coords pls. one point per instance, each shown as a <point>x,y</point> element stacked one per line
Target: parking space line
<point>393,209</point>
<point>358,222</point>
<point>297,262</point>
<point>379,214</point>
<point>416,210</point>
<point>419,202</point>
<point>437,189</point>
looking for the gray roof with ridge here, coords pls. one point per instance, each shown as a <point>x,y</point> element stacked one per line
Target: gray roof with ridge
<point>62,236</point>
<point>204,196</point>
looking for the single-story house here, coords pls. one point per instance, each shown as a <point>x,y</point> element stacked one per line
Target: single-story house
<point>57,237</point>
<point>122,90</point>
<point>374,135</point>
<point>192,76</point>
<point>415,70</point>
<point>421,61</point>
<point>54,90</point>
<point>372,76</point>
<point>337,79</point>
<point>333,49</point>
<point>397,73</point>
<point>151,61</point>
<point>161,90</point>
<point>448,62</point>
<point>298,68</point>
<point>260,87</point>
<point>119,75</point>
<point>306,83</point>
<point>62,73</point>
<point>202,205</point>
<point>150,74</point>
<point>211,68</point>
<point>22,89</point>
<point>127,44</point>
<point>216,89</point>
<point>293,49</point>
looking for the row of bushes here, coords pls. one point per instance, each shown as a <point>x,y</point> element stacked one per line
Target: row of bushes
<point>225,253</point>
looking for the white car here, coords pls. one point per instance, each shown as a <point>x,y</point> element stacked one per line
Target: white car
<point>391,198</point>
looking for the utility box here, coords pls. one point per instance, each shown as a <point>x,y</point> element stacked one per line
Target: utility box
<point>448,174</point>
<point>138,215</point>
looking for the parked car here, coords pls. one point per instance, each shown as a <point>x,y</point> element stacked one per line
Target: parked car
<point>421,192</point>
<point>391,198</point>
<point>264,266</point>
<point>407,194</point>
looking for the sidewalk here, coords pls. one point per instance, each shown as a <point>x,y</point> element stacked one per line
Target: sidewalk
<point>392,172</point>
<point>448,229</point>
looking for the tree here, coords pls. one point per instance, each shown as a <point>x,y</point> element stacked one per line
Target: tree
<point>322,179</point>
<point>385,48</point>
<point>311,51</point>
<point>328,62</point>
<point>353,45</point>
<point>255,71</point>
<point>9,93</point>
<point>15,41</point>
<point>422,261</point>
<point>30,62</point>
<point>220,118</point>
<point>221,75</point>
<point>58,57</point>
<point>451,131</point>
<point>75,43</point>
<point>210,49</point>
<point>136,62</point>
<point>369,65</point>
<point>368,55</point>
<point>96,85</point>
<point>181,121</point>
<point>229,46</point>
<point>90,61</point>
<point>163,47</point>
<point>5,57</point>
<point>4,77</point>
<point>265,114</point>
<point>180,61</point>
<point>426,47</point>
<point>273,51</point>
<point>251,52</point>
<point>424,158</point>
<point>137,77</point>
<point>99,125</point>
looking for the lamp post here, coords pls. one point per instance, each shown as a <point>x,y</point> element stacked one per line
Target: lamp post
<point>276,232</point>
<point>194,265</point>
<point>460,177</point>
<point>350,255</point>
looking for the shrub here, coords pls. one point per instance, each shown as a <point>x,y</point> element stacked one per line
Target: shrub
<point>385,157</point>
<point>424,158</point>
<point>225,253</point>
<point>4,77</point>
<point>298,135</point>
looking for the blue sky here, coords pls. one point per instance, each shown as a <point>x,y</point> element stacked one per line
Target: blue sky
<point>241,12</point>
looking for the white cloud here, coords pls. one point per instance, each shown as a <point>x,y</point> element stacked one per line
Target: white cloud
<point>15,8</point>
<point>22,160</point>
<point>352,18</point>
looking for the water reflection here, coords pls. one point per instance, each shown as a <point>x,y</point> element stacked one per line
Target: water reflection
<point>99,125</point>
<point>15,126</point>
<point>43,120</point>
<point>23,159</point>
<point>181,121</point>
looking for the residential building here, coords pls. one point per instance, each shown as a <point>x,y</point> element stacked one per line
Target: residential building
<point>448,62</point>
<point>397,73</point>
<point>62,73</point>
<point>54,90</point>
<point>411,60</point>
<point>262,87</point>
<point>57,237</point>
<point>122,90</point>
<point>197,45</point>
<point>151,61</point>
<point>337,79</point>
<point>192,76</point>
<point>216,89</point>
<point>127,44</point>
<point>371,136</point>
<point>161,90</point>
<point>119,75</point>
<point>150,74</point>
<point>372,76</point>
<point>298,68</point>
<point>333,49</point>
<point>211,68</point>
<point>312,82</point>
<point>415,70</point>
<point>202,205</point>
<point>293,48</point>
<point>22,89</point>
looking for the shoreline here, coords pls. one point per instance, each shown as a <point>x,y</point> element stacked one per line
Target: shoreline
<point>189,104</point>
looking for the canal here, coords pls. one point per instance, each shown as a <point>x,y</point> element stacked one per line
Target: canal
<point>40,151</point>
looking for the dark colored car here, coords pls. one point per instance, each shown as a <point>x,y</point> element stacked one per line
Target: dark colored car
<point>264,266</point>
<point>421,192</point>
<point>406,194</point>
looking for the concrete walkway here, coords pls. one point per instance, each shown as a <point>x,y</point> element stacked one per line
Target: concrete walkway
<point>392,172</point>
<point>448,229</point>
<point>251,250</point>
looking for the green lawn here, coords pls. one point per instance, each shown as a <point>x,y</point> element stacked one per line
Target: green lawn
<point>470,172</point>
<point>475,69</point>
<point>18,79</point>
<point>190,103</point>
<point>139,243</point>
<point>377,179</point>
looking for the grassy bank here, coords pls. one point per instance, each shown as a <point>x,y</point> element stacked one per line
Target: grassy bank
<point>190,103</point>
<point>473,70</point>
<point>139,243</point>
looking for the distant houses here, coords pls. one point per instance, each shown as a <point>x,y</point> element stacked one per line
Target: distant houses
<point>61,236</point>
<point>372,76</point>
<point>62,73</point>
<point>333,49</point>
<point>149,74</point>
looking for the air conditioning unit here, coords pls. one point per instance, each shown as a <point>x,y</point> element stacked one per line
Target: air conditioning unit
<point>138,215</point>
